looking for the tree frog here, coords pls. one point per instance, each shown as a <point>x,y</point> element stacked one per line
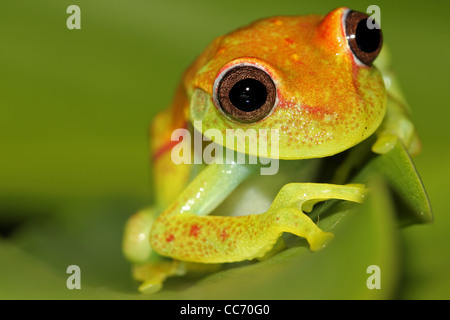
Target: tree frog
<point>312,79</point>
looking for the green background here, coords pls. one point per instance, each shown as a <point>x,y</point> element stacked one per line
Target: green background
<point>74,111</point>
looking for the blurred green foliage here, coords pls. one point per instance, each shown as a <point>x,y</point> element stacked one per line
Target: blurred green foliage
<point>75,106</point>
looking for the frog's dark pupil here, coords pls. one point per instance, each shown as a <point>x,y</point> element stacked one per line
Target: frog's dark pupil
<point>248,95</point>
<point>367,39</point>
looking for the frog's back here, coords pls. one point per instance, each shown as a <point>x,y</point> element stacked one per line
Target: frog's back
<point>170,178</point>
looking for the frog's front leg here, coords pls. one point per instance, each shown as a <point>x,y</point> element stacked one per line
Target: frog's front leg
<point>397,124</point>
<point>185,233</point>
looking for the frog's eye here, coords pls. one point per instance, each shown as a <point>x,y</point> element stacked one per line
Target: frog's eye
<point>245,93</point>
<point>364,40</point>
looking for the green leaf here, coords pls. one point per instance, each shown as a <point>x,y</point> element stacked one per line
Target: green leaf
<point>90,236</point>
<point>27,277</point>
<point>398,170</point>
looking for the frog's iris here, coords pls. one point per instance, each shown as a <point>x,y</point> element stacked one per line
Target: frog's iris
<point>364,38</point>
<point>245,93</point>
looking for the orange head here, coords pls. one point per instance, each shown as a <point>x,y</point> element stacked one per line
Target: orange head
<point>310,77</point>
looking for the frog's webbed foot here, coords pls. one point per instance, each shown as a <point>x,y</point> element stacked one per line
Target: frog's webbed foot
<point>397,124</point>
<point>294,221</point>
<point>387,140</point>
<point>153,274</point>
<point>296,198</point>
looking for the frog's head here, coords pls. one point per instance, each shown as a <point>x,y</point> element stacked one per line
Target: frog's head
<point>310,77</point>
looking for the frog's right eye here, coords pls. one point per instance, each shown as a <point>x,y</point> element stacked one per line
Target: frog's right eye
<point>245,93</point>
<point>364,42</point>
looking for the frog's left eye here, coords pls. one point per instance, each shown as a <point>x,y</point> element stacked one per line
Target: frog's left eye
<point>365,41</point>
<point>245,93</point>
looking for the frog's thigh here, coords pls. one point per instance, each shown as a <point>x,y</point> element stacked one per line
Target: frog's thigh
<point>215,239</point>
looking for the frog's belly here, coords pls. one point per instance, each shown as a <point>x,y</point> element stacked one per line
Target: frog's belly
<point>256,194</point>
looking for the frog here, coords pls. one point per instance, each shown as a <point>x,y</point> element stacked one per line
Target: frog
<point>322,83</point>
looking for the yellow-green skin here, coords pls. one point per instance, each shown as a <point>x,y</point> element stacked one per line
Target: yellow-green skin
<point>326,103</point>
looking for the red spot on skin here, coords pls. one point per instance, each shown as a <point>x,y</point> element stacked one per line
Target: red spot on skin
<point>167,147</point>
<point>224,235</point>
<point>170,238</point>
<point>194,230</point>
<point>313,110</point>
<point>289,40</point>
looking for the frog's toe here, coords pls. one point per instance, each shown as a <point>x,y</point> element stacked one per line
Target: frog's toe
<point>384,143</point>
<point>150,286</point>
<point>151,275</point>
<point>319,240</point>
<point>154,274</point>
